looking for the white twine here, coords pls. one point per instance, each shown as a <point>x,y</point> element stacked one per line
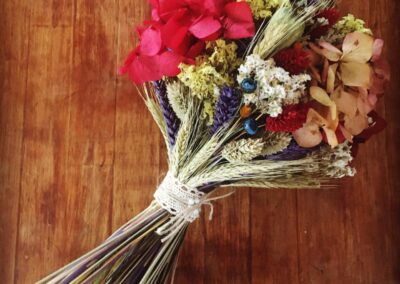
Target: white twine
<point>183,202</point>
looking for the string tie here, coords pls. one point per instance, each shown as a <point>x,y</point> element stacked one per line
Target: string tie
<point>183,203</point>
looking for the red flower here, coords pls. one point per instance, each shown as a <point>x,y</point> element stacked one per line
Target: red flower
<point>178,31</point>
<point>294,60</point>
<point>332,15</point>
<point>292,118</point>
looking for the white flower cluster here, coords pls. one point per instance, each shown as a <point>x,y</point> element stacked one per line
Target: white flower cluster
<point>337,161</point>
<point>275,86</point>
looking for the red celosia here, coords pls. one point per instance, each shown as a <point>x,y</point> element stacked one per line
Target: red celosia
<point>332,15</point>
<point>292,118</point>
<point>294,60</point>
<point>177,33</point>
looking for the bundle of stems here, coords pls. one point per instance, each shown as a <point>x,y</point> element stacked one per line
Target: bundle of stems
<point>133,254</point>
<point>138,252</point>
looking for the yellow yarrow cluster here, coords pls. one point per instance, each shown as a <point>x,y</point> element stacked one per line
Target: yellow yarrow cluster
<point>263,8</point>
<point>211,71</point>
<point>345,26</point>
<point>351,24</point>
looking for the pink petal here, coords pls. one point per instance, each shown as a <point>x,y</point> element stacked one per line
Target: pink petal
<point>128,61</point>
<point>150,42</point>
<point>239,21</point>
<point>144,69</point>
<point>373,99</point>
<point>168,63</point>
<point>377,49</point>
<point>196,49</point>
<point>155,9</point>
<point>209,7</point>
<point>169,8</point>
<point>330,47</point>
<point>213,36</point>
<point>382,69</point>
<point>154,14</point>
<point>183,48</point>
<point>205,27</point>
<point>364,106</point>
<point>175,31</point>
<point>332,55</point>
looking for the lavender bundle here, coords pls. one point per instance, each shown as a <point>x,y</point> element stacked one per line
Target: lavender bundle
<point>227,107</point>
<point>260,115</point>
<point>171,120</point>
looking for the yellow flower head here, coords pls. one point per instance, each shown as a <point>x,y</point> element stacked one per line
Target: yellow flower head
<point>345,26</point>
<point>263,8</point>
<point>211,71</point>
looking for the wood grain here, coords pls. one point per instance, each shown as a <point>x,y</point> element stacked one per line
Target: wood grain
<point>80,155</point>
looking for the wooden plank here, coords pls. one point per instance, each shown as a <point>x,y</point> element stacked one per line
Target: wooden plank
<point>69,139</point>
<point>91,158</point>
<point>348,234</point>
<point>13,67</point>
<point>52,13</point>
<point>227,241</point>
<point>90,165</point>
<point>137,138</point>
<point>274,253</point>
<point>43,189</point>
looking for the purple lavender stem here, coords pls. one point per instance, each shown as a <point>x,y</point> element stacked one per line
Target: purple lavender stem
<point>170,117</point>
<point>292,152</point>
<point>227,106</point>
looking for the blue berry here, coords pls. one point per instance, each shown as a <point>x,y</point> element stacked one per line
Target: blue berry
<point>250,126</point>
<point>248,85</point>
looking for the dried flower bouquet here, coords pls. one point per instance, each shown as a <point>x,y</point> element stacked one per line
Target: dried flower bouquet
<point>271,94</point>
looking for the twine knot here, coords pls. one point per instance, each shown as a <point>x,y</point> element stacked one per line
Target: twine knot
<point>183,202</point>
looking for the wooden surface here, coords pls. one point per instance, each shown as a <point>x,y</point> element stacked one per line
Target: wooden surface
<point>80,155</point>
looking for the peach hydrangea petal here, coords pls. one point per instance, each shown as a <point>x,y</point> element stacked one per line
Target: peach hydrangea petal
<point>331,137</point>
<point>364,106</point>
<point>346,134</point>
<point>308,136</point>
<point>323,119</point>
<point>330,82</point>
<point>329,47</point>
<point>355,125</point>
<point>356,74</point>
<point>357,47</point>
<point>322,97</point>
<point>315,74</point>
<point>325,71</point>
<point>345,102</point>
<point>331,53</point>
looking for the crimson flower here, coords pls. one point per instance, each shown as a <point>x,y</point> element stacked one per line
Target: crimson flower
<point>292,118</point>
<point>177,32</point>
<point>295,60</point>
<point>332,15</point>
